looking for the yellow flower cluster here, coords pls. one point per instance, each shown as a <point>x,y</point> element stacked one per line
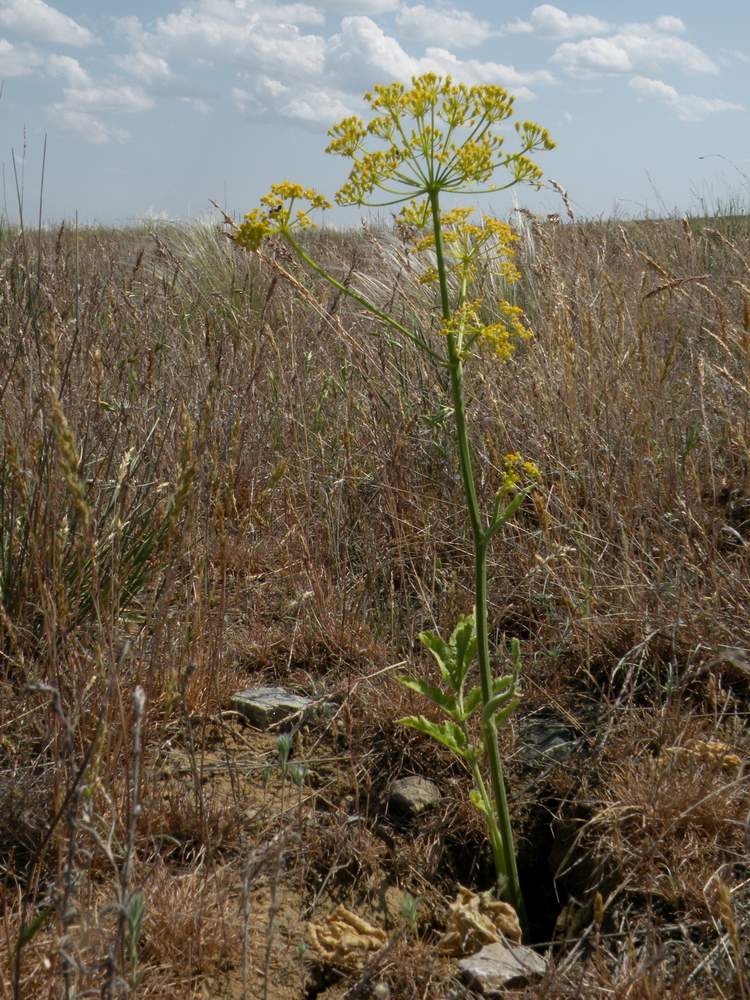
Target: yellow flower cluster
<point>464,321</point>
<point>374,170</point>
<point>456,104</point>
<point>289,192</point>
<point>253,229</point>
<point>347,136</point>
<point>502,337</point>
<point>278,214</point>
<point>415,213</point>
<point>437,136</point>
<point>516,472</point>
<point>466,244</point>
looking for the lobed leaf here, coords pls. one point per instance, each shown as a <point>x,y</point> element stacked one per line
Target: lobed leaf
<point>464,642</point>
<point>448,733</point>
<point>471,701</point>
<point>440,698</point>
<point>442,652</point>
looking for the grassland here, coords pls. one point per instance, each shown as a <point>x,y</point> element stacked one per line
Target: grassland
<point>215,474</point>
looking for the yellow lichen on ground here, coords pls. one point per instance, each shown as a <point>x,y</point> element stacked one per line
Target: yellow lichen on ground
<point>345,940</point>
<point>476,919</point>
<point>709,751</point>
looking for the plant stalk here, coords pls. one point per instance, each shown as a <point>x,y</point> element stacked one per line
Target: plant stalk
<point>506,867</point>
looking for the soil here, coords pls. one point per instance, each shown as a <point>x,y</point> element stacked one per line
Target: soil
<point>327,841</point>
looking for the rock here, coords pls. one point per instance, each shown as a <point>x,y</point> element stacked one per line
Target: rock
<point>546,741</point>
<point>413,794</point>
<point>262,706</point>
<point>501,965</point>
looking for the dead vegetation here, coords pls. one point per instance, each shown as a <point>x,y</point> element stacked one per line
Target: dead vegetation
<point>215,475</point>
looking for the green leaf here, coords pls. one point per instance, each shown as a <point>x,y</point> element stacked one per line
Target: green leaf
<point>30,930</point>
<point>502,716</point>
<point>440,698</point>
<point>464,642</point>
<point>136,907</point>
<point>500,517</point>
<point>503,683</point>
<point>445,656</point>
<point>471,701</point>
<point>478,802</point>
<point>500,707</point>
<point>446,732</point>
<point>515,653</point>
<point>463,633</point>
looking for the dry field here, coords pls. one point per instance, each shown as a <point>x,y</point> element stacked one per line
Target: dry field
<point>215,475</point>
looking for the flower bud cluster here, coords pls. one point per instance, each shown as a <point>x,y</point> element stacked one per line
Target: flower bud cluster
<point>278,214</point>
<point>517,473</point>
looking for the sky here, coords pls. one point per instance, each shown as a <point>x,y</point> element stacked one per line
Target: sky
<point>152,109</point>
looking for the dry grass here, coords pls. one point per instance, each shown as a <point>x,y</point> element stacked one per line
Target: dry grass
<point>214,474</point>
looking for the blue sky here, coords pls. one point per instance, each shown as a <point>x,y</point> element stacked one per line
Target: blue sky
<point>154,107</point>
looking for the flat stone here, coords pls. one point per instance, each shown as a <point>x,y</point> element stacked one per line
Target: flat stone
<point>547,741</point>
<point>501,965</point>
<point>262,706</point>
<point>413,794</point>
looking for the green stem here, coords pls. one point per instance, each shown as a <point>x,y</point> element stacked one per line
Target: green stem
<point>506,866</point>
<point>496,841</point>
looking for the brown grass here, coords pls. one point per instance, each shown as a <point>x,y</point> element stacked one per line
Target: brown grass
<point>213,476</point>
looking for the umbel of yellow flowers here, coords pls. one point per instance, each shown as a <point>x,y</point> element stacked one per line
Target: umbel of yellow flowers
<point>435,137</point>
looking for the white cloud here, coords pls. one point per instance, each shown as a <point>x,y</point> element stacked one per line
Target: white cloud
<point>517,27</point>
<point>284,70</point>
<point>144,66</point>
<point>197,104</point>
<point>217,17</point>
<point>131,28</point>
<point>69,69</point>
<point>443,26</point>
<point>85,125</point>
<point>593,55</point>
<point>362,52</point>
<point>317,105</point>
<point>78,110</point>
<point>729,56</point>
<point>672,25</point>
<point>17,60</point>
<point>258,36</point>
<point>517,82</point>
<point>553,22</point>
<point>37,19</point>
<point>351,7</point>
<point>107,98</point>
<point>635,47</point>
<point>687,108</point>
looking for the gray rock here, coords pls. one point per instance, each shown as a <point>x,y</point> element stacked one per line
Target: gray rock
<point>501,965</point>
<point>547,741</point>
<point>262,706</point>
<point>413,794</point>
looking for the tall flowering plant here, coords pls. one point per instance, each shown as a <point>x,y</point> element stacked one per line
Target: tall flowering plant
<point>422,142</point>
